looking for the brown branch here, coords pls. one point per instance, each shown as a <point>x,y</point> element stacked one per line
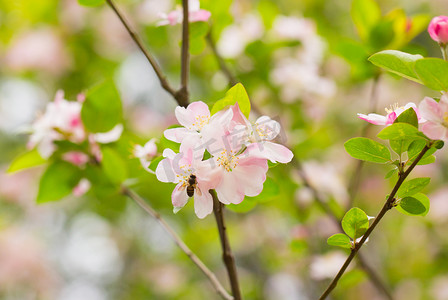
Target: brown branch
<point>214,281</point>
<point>185,55</point>
<point>179,96</point>
<point>386,207</point>
<point>227,255</point>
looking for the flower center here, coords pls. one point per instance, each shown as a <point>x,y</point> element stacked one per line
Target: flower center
<point>201,121</point>
<point>228,160</point>
<point>445,119</point>
<point>393,108</point>
<point>184,175</point>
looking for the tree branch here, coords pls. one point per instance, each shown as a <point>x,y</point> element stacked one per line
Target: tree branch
<point>222,64</point>
<point>227,255</point>
<point>209,274</point>
<point>179,96</point>
<point>386,207</point>
<point>185,55</point>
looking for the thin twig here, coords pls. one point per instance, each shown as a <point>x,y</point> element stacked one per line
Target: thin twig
<point>209,274</point>
<point>386,207</point>
<point>179,96</point>
<point>355,180</point>
<point>185,54</point>
<point>227,254</point>
<point>297,165</point>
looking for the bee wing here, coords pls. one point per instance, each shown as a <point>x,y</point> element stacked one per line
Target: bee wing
<point>198,191</point>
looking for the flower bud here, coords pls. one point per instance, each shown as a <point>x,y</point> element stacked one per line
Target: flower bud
<point>438,29</point>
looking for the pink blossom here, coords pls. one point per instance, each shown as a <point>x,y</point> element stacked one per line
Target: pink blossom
<point>146,153</point>
<point>77,158</point>
<point>196,120</point>
<point>436,114</point>
<point>61,120</point>
<point>178,168</point>
<point>82,187</point>
<point>195,14</point>
<point>392,113</point>
<point>259,135</point>
<point>438,29</point>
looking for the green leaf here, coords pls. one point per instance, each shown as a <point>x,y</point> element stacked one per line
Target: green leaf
<point>417,205</point>
<point>339,240</point>
<point>400,63</point>
<point>400,146</point>
<point>365,14</point>
<point>412,187</point>
<point>102,109</point>
<point>198,29</point>
<point>438,144</point>
<point>57,181</point>
<point>113,165</point>
<point>433,72</point>
<point>426,160</point>
<point>26,160</point>
<point>408,116</point>
<point>237,94</point>
<point>414,150</point>
<point>382,34</point>
<point>355,223</point>
<point>391,173</point>
<point>367,150</point>
<point>90,2</point>
<point>400,131</point>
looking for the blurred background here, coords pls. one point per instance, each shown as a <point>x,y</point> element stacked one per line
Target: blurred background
<point>302,62</point>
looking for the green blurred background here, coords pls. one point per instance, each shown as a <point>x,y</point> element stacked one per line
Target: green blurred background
<point>302,62</point>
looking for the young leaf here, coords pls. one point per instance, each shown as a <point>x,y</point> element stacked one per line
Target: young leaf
<point>367,150</point>
<point>438,144</point>
<point>414,150</point>
<point>400,63</point>
<point>412,187</point>
<point>113,165</point>
<point>409,116</point>
<point>355,223</point>
<point>26,160</point>
<point>237,94</point>
<point>417,205</point>
<point>400,131</point>
<point>365,14</point>
<point>90,2</point>
<point>391,173</point>
<point>433,72</point>
<point>57,181</point>
<point>339,240</point>
<point>400,146</point>
<point>102,109</point>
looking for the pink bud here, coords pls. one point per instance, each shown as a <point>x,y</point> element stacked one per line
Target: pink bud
<point>438,29</point>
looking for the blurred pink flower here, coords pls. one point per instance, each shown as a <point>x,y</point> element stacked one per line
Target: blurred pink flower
<point>438,29</point>
<point>38,50</point>
<point>77,158</point>
<point>82,187</point>
<point>436,114</point>
<point>179,168</point>
<point>327,265</point>
<point>146,153</point>
<point>109,137</point>
<point>61,120</point>
<point>195,14</point>
<point>392,114</point>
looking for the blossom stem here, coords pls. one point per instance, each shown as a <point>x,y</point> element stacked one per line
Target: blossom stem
<point>444,52</point>
<point>386,207</point>
<point>209,274</point>
<point>227,254</point>
<point>185,54</point>
<point>179,96</point>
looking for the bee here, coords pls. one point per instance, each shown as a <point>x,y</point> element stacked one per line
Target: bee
<point>192,186</point>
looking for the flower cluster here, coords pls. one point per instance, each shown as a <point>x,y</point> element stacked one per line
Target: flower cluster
<point>224,152</point>
<point>431,114</point>
<point>62,121</point>
<point>195,14</point>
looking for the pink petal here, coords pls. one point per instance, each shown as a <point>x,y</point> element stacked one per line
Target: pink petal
<point>228,191</point>
<point>250,179</point>
<point>199,108</point>
<point>435,131</point>
<point>272,151</point>
<point>165,171</point>
<point>179,196</point>
<point>431,110</point>
<point>390,119</point>
<point>375,119</point>
<point>77,158</point>
<point>203,204</point>
<point>270,128</point>
<point>201,15</point>
<point>184,117</point>
<point>81,188</point>
<point>176,134</point>
<point>110,136</point>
